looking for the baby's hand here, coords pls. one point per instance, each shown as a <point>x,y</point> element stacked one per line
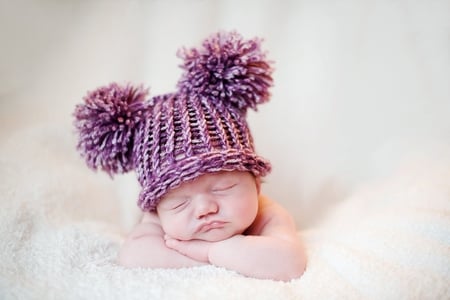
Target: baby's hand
<point>195,249</point>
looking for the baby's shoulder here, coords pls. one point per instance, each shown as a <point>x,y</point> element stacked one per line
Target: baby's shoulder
<point>150,217</point>
<point>272,218</point>
<point>149,225</point>
<point>268,212</point>
<point>269,209</point>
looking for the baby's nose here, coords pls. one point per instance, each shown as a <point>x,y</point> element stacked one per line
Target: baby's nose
<point>206,205</point>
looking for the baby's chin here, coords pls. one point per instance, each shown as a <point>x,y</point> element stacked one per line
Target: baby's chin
<point>213,235</point>
<point>216,235</point>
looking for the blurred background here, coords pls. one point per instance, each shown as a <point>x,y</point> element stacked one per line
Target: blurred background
<point>360,86</point>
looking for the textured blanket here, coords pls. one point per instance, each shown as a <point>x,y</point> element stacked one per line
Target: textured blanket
<point>60,229</point>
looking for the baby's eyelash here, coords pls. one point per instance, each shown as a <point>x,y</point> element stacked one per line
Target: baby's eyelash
<point>179,205</point>
<point>220,189</point>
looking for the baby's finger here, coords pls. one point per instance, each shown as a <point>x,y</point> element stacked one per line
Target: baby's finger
<point>171,243</point>
<point>178,246</point>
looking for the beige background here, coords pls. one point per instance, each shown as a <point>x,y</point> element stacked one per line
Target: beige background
<point>360,85</point>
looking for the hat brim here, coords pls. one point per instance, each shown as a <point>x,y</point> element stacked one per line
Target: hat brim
<point>173,175</point>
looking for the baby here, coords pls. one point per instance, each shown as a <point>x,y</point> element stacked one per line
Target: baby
<point>194,157</point>
<point>221,219</point>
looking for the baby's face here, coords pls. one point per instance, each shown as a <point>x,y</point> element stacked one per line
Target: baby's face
<point>213,207</point>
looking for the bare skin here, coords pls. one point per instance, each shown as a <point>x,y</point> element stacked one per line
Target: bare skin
<point>218,219</point>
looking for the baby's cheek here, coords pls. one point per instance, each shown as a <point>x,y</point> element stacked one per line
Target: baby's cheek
<point>178,230</point>
<point>248,213</point>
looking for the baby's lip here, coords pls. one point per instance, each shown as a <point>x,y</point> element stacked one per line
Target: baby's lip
<point>207,226</point>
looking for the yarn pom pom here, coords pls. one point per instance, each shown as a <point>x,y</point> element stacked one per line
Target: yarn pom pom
<point>106,122</point>
<point>227,68</point>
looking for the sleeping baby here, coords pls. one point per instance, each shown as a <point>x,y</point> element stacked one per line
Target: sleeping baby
<point>194,157</point>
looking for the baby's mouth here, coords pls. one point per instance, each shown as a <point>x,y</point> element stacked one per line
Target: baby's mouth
<point>207,226</point>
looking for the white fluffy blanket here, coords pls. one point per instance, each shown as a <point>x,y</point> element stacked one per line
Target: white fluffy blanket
<point>60,232</point>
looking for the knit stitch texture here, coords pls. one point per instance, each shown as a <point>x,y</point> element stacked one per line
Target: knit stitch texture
<point>200,128</point>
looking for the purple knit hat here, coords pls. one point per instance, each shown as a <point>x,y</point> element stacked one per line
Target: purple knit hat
<point>174,138</point>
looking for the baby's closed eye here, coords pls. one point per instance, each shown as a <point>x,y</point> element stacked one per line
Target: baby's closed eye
<point>223,187</point>
<point>179,204</point>
<point>175,203</point>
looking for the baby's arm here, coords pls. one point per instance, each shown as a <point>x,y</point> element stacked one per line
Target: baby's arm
<point>275,253</point>
<point>145,247</point>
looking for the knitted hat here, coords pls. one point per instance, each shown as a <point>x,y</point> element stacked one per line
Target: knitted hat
<point>174,138</point>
